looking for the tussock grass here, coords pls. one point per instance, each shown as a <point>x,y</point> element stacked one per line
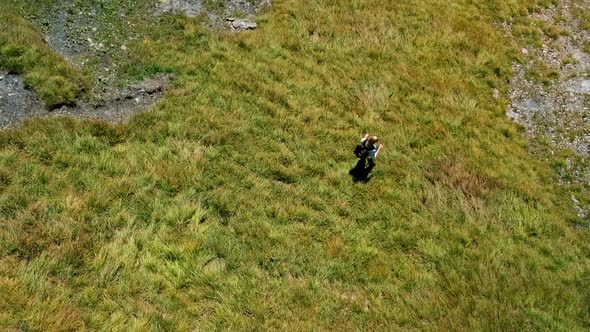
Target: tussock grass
<point>230,206</point>
<point>23,51</point>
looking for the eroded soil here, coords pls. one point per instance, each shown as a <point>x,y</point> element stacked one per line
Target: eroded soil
<point>116,105</point>
<point>16,102</point>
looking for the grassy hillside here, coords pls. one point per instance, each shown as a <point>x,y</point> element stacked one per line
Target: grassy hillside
<point>230,205</point>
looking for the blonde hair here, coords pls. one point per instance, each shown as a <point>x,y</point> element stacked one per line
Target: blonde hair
<point>373,139</point>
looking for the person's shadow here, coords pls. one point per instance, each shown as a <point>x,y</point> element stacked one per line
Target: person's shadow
<point>360,173</point>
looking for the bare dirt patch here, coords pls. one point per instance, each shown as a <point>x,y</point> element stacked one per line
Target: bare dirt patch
<point>18,103</point>
<point>119,104</point>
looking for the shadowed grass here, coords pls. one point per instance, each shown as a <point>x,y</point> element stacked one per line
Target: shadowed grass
<point>230,206</point>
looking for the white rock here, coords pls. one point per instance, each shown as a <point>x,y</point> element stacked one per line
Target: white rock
<point>123,48</point>
<point>243,25</point>
<point>524,51</point>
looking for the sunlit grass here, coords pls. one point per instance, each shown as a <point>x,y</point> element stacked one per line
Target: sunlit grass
<point>230,205</point>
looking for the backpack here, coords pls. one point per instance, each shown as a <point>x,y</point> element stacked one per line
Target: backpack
<point>361,151</point>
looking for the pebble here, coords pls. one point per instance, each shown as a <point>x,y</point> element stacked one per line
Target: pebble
<point>123,48</point>
<point>524,51</point>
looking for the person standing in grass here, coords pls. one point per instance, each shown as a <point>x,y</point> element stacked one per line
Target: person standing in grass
<point>373,147</point>
<point>367,150</point>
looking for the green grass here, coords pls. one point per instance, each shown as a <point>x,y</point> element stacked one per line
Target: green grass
<point>543,73</point>
<point>229,206</point>
<point>582,14</point>
<point>568,60</point>
<point>23,51</point>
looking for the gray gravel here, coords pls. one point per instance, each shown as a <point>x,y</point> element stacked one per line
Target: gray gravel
<point>116,105</point>
<point>190,8</point>
<point>557,116</point>
<point>16,101</point>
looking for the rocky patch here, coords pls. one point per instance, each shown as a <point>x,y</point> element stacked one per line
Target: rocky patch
<point>190,8</point>
<point>18,103</point>
<point>118,105</point>
<point>219,13</point>
<point>556,114</point>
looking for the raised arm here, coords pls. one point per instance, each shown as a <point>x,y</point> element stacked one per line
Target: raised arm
<point>379,149</point>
